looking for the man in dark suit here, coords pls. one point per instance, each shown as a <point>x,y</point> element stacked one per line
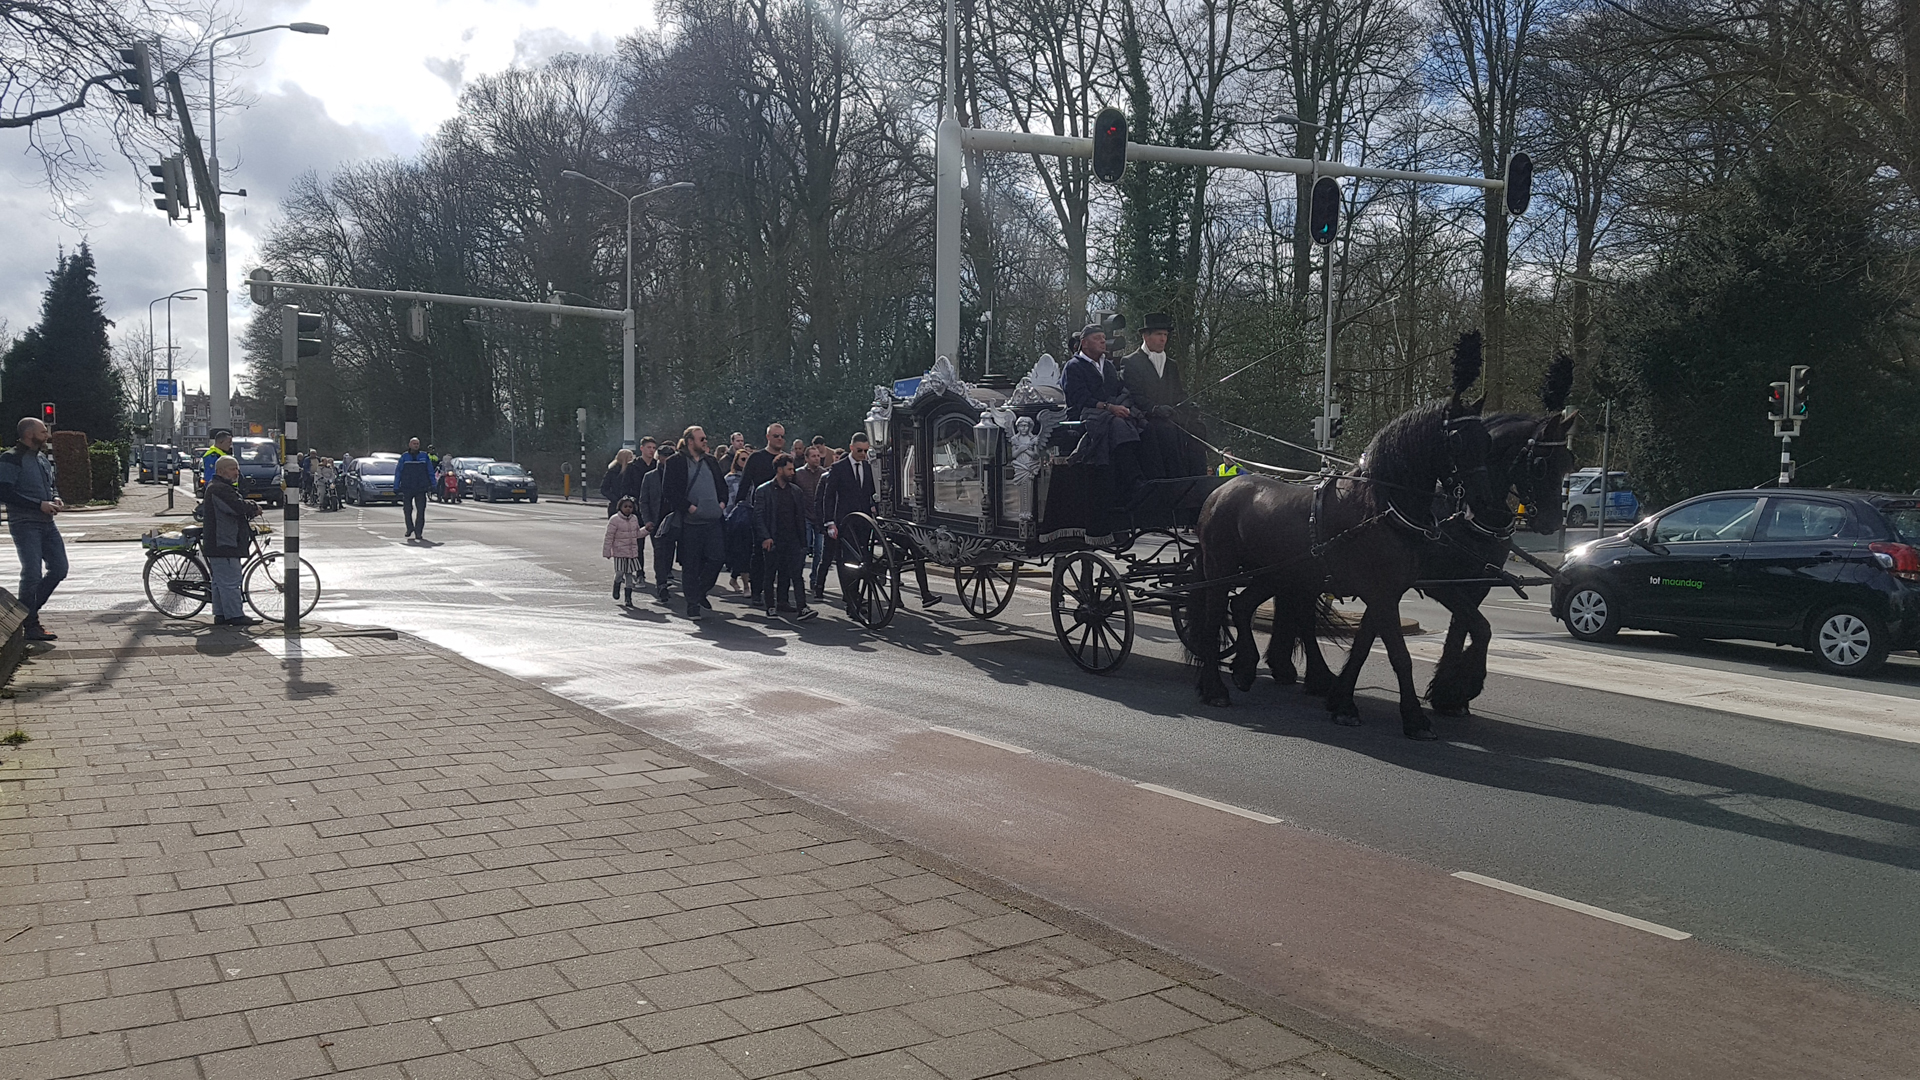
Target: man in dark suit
<point>1097,396</point>
<point>1154,384</point>
<point>849,489</point>
<point>759,470</point>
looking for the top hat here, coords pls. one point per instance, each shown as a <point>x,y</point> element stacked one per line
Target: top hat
<point>1156,320</point>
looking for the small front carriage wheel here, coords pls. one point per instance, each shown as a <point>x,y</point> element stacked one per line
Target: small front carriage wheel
<point>987,588</point>
<point>1092,611</point>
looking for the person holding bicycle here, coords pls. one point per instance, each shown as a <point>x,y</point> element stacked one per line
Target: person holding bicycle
<point>228,540</point>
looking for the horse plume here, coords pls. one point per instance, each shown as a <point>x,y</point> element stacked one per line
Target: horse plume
<point>1559,384</point>
<point>1467,362</point>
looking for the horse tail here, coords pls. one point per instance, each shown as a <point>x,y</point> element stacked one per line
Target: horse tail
<point>1332,629</point>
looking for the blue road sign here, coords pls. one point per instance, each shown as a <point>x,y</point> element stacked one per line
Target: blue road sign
<point>169,389</point>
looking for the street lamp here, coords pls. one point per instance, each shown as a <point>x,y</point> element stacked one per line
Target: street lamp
<point>216,224</point>
<point>169,298</point>
<point>627,335</point>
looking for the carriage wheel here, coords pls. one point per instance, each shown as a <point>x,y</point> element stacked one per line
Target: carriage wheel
<point>1092,613</point>
<point>1229,631</point>
<point>986,589</point>
<point>867,567</point>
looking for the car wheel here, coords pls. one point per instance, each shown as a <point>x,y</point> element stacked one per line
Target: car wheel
<point>1848,641</point>
<point>533,498</point>
<point>1592,614</point>
<point>1576,517</point>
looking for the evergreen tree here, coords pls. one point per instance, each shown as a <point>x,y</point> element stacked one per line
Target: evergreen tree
<point>66,358</point>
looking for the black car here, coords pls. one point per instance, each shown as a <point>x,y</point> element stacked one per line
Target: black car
<point>260,475</point>
<point>498,480</point>
<point>466,468</point>
<point>1834,572</point>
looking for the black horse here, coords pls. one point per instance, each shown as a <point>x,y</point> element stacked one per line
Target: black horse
<point>1362,534</point>
<point>1530,459</point>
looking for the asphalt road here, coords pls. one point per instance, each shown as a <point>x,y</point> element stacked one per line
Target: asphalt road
<point>1787,848</point>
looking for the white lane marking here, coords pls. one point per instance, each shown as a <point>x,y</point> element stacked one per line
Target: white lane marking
<point>1251,815</point>
<point>1654,928</point>
<point>982,739</point>
<point>1743,693</point>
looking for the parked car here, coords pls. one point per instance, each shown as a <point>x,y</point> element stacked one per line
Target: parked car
<point>369,479</point>
<point>157,462</point>
<point>467,468</point>
<point>1583,498</point>
<point>1834,572</point>
<point>498,480</point>
<point>260,474</point>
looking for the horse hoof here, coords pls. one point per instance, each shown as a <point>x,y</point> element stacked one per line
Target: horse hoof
<point>1344,713</point>
<point>1284,676</point>
<point>1422,734</point>
<point>1346,719</point>
<point>1220,702</point>
<point>1243,681</point>
<point>1451,709</point>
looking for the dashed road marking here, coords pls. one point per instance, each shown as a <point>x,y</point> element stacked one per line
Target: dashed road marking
<point>981,739</point>
<point>1654,928</point>
<point>1202,800</point>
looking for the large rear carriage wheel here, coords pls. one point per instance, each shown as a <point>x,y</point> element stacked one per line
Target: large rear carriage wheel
<point>867,568</point>
<point>987,588</point>
<point>1092,613</point>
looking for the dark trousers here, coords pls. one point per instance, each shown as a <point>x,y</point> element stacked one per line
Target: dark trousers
<point>39,545</point>
<point>703,551</point>
<point>788,564</point>
<point>415,505</point>
<point>662,562</point>
<point>818,543</point>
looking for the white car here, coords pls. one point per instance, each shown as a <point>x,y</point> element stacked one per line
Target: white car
<point>1583,498</point>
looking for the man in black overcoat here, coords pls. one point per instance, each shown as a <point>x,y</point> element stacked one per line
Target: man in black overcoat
<point>1153,382</point>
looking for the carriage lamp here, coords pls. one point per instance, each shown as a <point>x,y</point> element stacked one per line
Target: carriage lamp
<point>879,425</point>
<point>986,441</point>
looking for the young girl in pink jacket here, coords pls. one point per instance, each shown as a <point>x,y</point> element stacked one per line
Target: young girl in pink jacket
<point>625,530</point>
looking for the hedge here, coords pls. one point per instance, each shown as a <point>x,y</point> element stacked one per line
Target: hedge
<point>109,470</point>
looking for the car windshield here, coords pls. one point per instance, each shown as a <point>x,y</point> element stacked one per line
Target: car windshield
<point>1905,522</point>
<point>1711,520</point>
<point>511,471</point>
<point>260,453</point>
<point>376,467</point>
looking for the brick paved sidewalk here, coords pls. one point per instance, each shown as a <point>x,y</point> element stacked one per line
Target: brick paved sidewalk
<point>395,865</point>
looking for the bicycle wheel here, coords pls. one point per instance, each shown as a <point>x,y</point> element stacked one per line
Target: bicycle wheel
<point>265,586</point>
<point>178,584</point>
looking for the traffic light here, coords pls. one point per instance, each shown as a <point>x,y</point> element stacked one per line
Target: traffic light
<point>170,183</point>
<point>257,287</point>
<point>1323,222</point>
<point>417,323</point>
<point>139,77</point>
<point>1519,184</point>
<point>1777,402</point>
<point>1798,389</point>
<point>1110,145</point>
<point>46,413</point>
<point>1336,422</point>
<point>300,335</point>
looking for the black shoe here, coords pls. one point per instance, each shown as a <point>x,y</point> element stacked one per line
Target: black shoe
<point>694,612</point>
<point>805,614</point>
<point>41,633</point>
<point>819,592</point>
<point>616,590</point>
<point>928,600</point>
<point>244,620</point>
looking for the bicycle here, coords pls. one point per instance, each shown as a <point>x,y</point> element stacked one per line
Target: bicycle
<point>179,584</point>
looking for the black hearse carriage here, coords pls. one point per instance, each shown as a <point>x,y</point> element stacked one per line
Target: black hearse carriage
<point>978,478</point>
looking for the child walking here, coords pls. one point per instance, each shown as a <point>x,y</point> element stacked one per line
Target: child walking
<point>625,530</point>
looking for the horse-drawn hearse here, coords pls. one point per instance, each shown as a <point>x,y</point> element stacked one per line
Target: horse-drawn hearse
<point>981,479</point>
<point>984,479</point>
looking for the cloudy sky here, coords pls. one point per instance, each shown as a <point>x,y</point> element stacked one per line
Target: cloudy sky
<point>377,86</point>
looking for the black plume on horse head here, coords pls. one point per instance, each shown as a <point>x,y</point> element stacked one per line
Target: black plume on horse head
<point>1467,362</point>
<point>1559,384</point>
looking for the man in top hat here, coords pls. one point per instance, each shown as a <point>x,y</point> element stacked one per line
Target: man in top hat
<point>1153,382</point>
<point>1097,397</point>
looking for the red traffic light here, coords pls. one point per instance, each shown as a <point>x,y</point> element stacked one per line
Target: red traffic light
<point>46,413</point>
<point>1110,145</point>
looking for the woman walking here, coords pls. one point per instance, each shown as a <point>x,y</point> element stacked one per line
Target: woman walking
<point>614,482</point>
<point>739,524</point>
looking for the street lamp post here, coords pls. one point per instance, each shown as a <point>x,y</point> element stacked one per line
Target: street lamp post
<point>216,224</point>
<point>169,299</point>
<point>627,436</point>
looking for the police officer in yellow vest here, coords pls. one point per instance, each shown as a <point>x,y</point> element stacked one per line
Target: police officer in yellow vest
<point>1227,466</point>
<point>222,447</point>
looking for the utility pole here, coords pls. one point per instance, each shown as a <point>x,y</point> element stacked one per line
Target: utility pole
<point>299,336</point>
<point>1606,459</point>
<point>580,420</point>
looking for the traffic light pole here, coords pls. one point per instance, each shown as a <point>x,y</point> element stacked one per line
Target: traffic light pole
<point>1786,460</point>
<point>1326,371</point>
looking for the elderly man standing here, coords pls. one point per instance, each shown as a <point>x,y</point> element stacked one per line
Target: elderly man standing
<point>26,488</point>
<point>228,541</point>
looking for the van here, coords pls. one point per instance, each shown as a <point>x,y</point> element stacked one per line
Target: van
<point>1582,489</point>
<point>158,463</point>
<point>260,475</point>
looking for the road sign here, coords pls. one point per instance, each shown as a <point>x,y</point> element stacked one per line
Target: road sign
<point>166,389</point>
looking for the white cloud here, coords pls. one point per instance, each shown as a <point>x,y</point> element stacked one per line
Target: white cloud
<point>379,84</point>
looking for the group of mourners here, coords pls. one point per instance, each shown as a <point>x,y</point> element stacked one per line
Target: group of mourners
<point>756,514</point>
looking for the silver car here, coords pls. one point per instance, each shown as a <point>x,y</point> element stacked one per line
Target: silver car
<point>1583,498</point>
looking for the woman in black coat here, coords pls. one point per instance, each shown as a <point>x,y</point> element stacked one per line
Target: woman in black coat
<point>614,483</point>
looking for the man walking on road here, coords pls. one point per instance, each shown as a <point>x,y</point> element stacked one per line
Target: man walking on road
<point>228,541</point>
<point>809,477</point>
<point>26,488</point>
<point>759,470</point>
<point>780,522</point>
<point>651,512</point>
<point>412,479</point>
<point>849,490</point>
<point>694,490</point>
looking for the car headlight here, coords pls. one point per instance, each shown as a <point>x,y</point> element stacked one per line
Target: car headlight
<point>1579,552</point>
